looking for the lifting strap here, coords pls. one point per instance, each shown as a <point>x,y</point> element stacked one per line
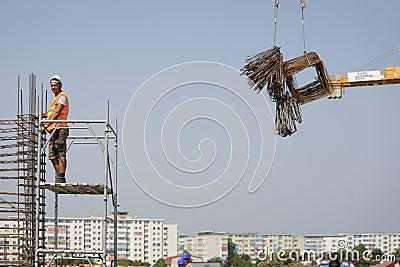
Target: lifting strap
<point>302,6</point>
<point>275,18</point>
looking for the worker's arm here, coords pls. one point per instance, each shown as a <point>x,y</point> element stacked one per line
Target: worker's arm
<point>55,114</point>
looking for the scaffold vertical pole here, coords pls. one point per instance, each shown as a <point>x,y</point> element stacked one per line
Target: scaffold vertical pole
<point>55,220</point>
<point>106,162</point>
<point>38,169</point>
<point>115,202</point>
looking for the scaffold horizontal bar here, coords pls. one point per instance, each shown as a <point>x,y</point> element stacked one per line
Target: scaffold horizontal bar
<point>8,146</point>
<point>9,130</point>
<point>76,188</point>
<point>18,177</point>
<point>14,169</point>
<point>7,121</point>
<point>16,210</point>
<point>70,251</point>
<point>90,137</point>
<point>16,161</point>
<point>76,121</point>
<point>11,154</point>
<point>8,138</point>
<point>86,143</point>
<point>16,194</point>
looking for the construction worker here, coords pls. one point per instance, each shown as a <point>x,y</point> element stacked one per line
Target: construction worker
<point>58,110</point>
<point>181,262</point>
<point>186,258</point>
<point>334,263</point>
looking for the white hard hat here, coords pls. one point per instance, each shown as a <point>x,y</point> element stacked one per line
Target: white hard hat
<point>56,77</point>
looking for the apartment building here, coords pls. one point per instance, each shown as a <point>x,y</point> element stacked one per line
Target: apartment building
<point>8,240</point>
<point>145,240</point>
<point>210,244</point>
<point>311,243</point>
<point>387,242</point>
<point>170,246</point>
<point>148,240</point>
<point>254,243</point>
<point>206,245</point>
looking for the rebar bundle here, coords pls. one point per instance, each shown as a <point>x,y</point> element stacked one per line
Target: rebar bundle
<point>265,69</point>
<point>287,113</point>
<point>19,184</point>
<point>314,90</point>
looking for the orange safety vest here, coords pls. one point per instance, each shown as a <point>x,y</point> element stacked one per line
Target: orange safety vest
<point>63,114</point>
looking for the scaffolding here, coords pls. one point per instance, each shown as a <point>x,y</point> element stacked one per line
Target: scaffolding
<point>24,185</point>
<point>19,176</point>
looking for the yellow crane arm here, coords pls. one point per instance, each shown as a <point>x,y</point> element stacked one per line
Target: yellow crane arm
<point>391,75</point>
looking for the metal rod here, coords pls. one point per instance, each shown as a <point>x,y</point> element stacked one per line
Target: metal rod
<point>32,88</point>
<point>29,92</point>
<point>76,128</point>
<point>18,93</point>
<point>88,259</point>
<point>18,188</point>
<point>78,251</point>
<point>37,105</point>
<point>51,135</point>
<point>55,220</point>
<point>112,129</point>
<point>101,146</point>
<point>38,113</point>
<point>22,103</point>
<point>106,162</point>
<point>90,137</point>
<point>45,98</point>
<point>115,203</point>
<point>43,173</point>
<point>52,259</point>
<point>78,121</point>
<point>276,5</point>
<point>302,24</point>
<point>38,169</point>
<point>86,143</point>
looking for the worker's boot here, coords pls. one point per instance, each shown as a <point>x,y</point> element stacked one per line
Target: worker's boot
<point>59,179</point>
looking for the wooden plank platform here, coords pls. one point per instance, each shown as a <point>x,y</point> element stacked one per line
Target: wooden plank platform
<point>76,188</point>
<point>71,251</point>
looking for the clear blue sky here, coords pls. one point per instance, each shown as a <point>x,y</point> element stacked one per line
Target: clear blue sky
<point>343,161</point>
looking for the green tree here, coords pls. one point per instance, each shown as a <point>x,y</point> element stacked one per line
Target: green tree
<point>281,258</point>
<point>231,247</point>
<point>160,263</point>
<point>396,253</point>
<point>215,259</point>
<point>242,260</point>
<point>70,261</point>
<point>133,263</point>
<point>376,253</point>
<point>124,262</point>
<point>366,259</point>
<point>231,253</point>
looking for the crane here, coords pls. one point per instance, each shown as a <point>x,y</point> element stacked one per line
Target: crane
<point>390,75</point>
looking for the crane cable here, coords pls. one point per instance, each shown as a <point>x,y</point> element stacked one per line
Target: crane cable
<point>302,6</point>
<point>380,58</point>
<point>276,4</point>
